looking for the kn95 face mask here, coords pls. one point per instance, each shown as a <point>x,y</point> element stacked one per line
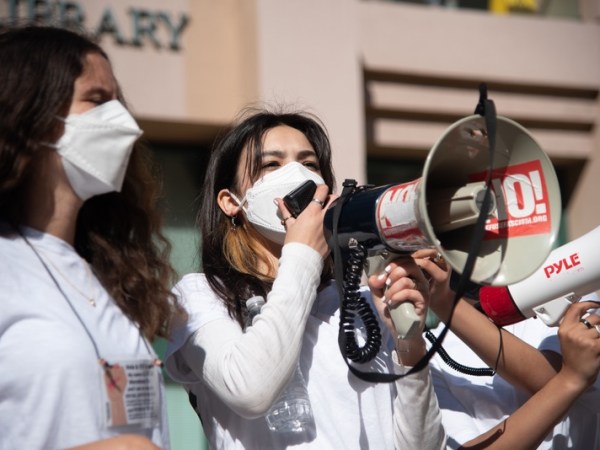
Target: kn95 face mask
<point>258,203</point>
<point>95,148</point>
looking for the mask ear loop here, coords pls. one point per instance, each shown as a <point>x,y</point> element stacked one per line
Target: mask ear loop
<point>239,202</point>
<point>54,145</point>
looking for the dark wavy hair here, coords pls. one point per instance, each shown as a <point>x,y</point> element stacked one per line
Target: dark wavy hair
<point>117,233</point>
<point>230,257</point>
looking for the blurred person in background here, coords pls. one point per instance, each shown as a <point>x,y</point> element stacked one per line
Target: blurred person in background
<point>84,274</point>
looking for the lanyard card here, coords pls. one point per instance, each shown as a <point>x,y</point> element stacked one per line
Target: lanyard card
<point>132,393</point>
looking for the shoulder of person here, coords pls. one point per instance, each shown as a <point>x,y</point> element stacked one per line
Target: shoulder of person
<point>191,282</point>
<point>195,294</point>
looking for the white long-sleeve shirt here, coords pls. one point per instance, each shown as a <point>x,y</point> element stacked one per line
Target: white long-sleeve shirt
<point>50,377</point>
<point>236,376</point>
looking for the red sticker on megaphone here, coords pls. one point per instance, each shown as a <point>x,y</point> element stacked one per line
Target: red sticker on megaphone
<point>522,203</point>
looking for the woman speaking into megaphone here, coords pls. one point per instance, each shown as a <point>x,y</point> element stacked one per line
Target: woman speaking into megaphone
<point>537,398</point>
<point>253,246</point>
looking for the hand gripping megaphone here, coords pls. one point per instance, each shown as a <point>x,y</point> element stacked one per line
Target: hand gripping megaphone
<point>570,272</point>
<point>441,208</point>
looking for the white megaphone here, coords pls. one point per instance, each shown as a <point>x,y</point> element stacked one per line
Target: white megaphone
<point>441,208</point>
<point>570,272</point>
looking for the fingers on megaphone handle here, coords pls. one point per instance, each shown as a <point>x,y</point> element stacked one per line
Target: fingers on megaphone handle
<point>426,252</point>
<point>439,261</point>
<point>436,270</point>
<point>580,309</point>
<point>591,321</point>
<point>582,313</point>
<point>405,295</point>
<point>405,281</point>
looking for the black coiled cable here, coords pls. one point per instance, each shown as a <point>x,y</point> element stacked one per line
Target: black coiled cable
<point>353,305</point>
<point>478,372</point>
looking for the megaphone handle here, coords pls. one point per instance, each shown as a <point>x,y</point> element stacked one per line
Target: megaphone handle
<point>406,321</point>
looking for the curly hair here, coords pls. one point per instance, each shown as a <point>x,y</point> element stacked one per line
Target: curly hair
<point>118,233</point>
<point>230,258</point>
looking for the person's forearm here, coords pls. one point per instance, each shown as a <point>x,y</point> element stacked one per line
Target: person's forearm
<point>417,416</point>
<point>527,427</point>
<point>519,363</point>
<point>249,370</point>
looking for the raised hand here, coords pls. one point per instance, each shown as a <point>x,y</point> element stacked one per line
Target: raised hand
<point>402,281</point>
<point>307,228</point>
<point>437,272</point>
<point>580,344</point>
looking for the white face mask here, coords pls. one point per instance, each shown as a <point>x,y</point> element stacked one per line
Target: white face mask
<point>260,209</point>
<point>95,148</point>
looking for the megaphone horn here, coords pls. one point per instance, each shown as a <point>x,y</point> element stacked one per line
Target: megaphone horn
<point>440,209</point>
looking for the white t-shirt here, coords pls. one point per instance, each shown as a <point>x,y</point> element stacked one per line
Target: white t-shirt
<point>50,382</point>
<point>471,405</point>
<point>240,370</point>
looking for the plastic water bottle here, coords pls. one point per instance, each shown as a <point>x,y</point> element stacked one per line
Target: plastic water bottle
<point>254,305</point>
<point>291,413</point>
